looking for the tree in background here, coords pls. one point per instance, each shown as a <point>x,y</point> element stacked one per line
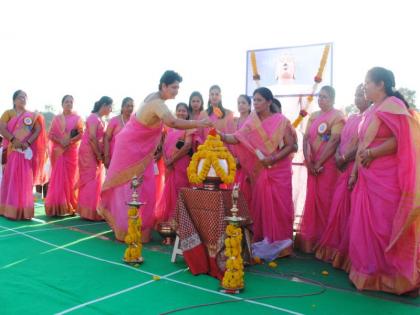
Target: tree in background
<point>350,110</point>
<point>409,95</point>
<point>48,114</point>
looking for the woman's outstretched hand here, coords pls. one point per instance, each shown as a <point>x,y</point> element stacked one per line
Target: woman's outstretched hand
<point>204,123</point>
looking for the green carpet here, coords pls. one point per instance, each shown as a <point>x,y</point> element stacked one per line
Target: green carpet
<point>68,265</point>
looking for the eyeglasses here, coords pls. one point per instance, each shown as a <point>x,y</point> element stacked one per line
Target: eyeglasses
<point>325,97</point>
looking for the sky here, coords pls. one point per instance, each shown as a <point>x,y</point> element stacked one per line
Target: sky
<point>91,48</point>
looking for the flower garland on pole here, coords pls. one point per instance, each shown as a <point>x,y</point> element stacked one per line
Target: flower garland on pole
<point>233,278</point>
<point>255,75</point>
<point>318,79</point>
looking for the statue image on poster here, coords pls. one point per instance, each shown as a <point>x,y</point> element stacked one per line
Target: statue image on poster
<point>289,73</point>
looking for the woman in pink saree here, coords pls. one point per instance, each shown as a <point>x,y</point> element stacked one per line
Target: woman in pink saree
<point>221,118</point>
<point>91,159</point>
<point>195,105</point>
<point>265,143</point>
<point>25,143</point>
<point>65,134</point>
<point>319,145</point>
<point>385,206</point>
<point>175,154</point>
<point>242,177</point>
<point>115,125</point>
<point>133,156</point>
<point>334,243</point>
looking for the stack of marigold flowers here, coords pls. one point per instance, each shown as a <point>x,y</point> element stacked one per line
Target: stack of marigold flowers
<point>233,278</point>
<point>133,237</point>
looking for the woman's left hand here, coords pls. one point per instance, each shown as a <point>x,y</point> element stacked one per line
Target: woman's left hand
<point>366,157</point>
<point>318,167</point>
<point>25,145</point>
<point>268,161</point>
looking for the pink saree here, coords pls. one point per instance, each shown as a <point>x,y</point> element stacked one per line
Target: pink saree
<point>175,178</point>
<point>225,124</point>
<point>17,201</point>
<point>91,172</point>
<point>385,206</point>
<point>62,193</point>
<point>242,176</point>
<point>334,243</point>
<point>159,167</point>
<point>138,142</point>
<point>320,189</point>
<point>116,125</point>
<point>272,206</point>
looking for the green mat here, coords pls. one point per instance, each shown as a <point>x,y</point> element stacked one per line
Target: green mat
<point>68,265</point>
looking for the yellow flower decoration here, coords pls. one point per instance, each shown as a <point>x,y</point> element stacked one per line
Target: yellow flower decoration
<point>217,111</point>
<point>234,275</point>
<point>133,237</point>
<point>211,152</point>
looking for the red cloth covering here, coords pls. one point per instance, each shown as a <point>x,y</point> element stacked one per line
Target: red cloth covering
<point>201,227</point>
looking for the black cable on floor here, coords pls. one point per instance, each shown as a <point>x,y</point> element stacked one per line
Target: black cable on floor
<point>275,296</point>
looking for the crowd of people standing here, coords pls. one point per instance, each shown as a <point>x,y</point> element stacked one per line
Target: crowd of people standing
<point>362,208</point>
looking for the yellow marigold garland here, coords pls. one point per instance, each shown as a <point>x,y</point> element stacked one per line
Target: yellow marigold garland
<point>211,152</point>
<point>234,275</point>
<point>317,79</point>
<point>133,237</point>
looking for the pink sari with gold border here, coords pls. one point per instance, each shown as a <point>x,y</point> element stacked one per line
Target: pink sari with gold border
<point>175,178</point>
<point>116,124</point>
<point>272,206</point>
<point>242,176</point>
<point>16,199</point>
<point>62,193</point>
<point>320,189</point>
<point>138,144</point>
<point>334,243</point>
<point>91,172</point>
<point>385,207</point>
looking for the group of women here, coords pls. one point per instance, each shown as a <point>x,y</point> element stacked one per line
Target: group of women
<point>362,209</point>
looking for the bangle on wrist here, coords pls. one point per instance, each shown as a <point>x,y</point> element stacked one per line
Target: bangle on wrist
<point>369,154</point>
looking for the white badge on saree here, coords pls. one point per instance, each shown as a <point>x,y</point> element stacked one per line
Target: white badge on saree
<point>27,121</point>
<point>322,128</point>
<point>28,154</point>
